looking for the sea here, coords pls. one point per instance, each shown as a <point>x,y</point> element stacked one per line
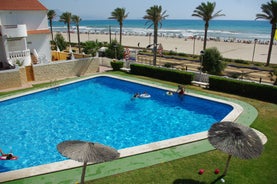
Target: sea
<point>218,29</point>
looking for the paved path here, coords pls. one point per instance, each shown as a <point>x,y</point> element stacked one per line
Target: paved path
<point>245,73</point>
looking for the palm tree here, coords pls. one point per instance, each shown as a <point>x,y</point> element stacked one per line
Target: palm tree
<point>269,13</point>
<point>205,12</point>
<point>76,19</point>
<point>51,14</point>
<point>155,15</point>
<point>119,15</point>
<point>66,18</point>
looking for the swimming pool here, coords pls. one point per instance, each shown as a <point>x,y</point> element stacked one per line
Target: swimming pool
<point>99,109</point>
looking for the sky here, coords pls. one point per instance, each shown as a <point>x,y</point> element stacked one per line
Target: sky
<point>176,9</point>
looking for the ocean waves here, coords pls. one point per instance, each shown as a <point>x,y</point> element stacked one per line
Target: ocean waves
<point>220,30</point>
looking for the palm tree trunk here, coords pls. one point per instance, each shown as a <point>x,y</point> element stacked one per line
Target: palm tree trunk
<point>51,28</point>
<point>227,165</point>
<point>120,34</point>
<point>78,32</point>
<point>68,32</point>
<point>110,33</point>
<point>83,173</point>
<point>205,35</point>
<point>155,44</point>
<point>270,44</point>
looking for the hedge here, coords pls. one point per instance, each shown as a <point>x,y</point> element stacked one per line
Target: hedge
<point>116,65</point>
<point>248,89</point>
<point>166,74</point>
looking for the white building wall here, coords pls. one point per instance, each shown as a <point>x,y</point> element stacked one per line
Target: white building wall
<point>41,44</point>
<point>33,19</point>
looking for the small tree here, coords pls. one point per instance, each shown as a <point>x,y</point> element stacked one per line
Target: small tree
<point>269,13</point>
<point>119,15</point>
<point>115,50</point>
<point>66,18</point>
<point>60,41</point>
<point>51,15</point>
<point>212,62</point>
<point>154,16</point>
<point>76,19</point>
<point>91,47</point>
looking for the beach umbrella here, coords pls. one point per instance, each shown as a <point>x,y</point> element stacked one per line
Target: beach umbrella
<point>35,53</point>
<point>58,49</point>
<point>71,53</point>
<point>82,151</point>
<point>34,56</point>
<point>235,140</point>
<point>72,57</point>
<point>70,49</point>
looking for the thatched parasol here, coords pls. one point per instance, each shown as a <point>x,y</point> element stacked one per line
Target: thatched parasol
<point>235,140</point>
<point>87,152</point>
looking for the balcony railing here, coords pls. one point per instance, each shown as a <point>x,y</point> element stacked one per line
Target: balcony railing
<point>19,54</point>
<point>22,56</point>
<point>14,31</point>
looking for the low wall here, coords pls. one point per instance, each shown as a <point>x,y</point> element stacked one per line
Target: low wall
<point>16,78</point>
<point>12,78</point>
<point>103,61</point>
<point>64,69</point>
<point>57,56</point>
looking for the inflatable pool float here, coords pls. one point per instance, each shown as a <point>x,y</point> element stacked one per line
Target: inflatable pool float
<point>169,93</point>
<point>5,158</point>
<point>144,95</point>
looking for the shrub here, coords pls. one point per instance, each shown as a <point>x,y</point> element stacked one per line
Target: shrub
<point>166,74</point>
<point>91,47</point>
<point>183,54</point>
<point>243,88</point>
<point>60,41</point>
<point>212,62</point>
<point>114,50</point>
<point>234,75</point>
<point>116,65</point>
<point>168,65</point>
<point>241,61</point>
<point>172,53</point>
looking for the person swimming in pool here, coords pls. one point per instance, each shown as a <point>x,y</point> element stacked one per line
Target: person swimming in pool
<point>169,93</point>
<point>8,156</point>
<point>180,90</point>
<point>136,95</point>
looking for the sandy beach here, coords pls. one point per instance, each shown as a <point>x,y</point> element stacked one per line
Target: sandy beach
<point>232,50</point>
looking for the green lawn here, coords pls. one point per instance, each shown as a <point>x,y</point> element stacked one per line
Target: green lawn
<point>185,171</point>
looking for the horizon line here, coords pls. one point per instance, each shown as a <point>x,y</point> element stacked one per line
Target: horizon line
<point>180,19</point>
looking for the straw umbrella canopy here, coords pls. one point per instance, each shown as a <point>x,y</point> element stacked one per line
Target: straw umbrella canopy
<point>235,140</point>
<point>82,151</point>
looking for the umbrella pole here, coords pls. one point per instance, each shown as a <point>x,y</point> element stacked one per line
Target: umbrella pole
<point>83,173</point>
<point>227,165</point>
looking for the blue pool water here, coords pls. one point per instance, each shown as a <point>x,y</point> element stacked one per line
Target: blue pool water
<point>101,110</point>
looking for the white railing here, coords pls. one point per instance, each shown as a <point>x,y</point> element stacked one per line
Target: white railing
<point>19,56</point>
